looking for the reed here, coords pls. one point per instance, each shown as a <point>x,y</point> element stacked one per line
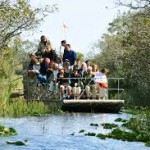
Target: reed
<point>21,107</point>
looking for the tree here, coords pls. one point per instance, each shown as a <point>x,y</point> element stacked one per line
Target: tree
<point>19,16</point>
<point>125,50</point>
<point>80,56</point>
<point>135,4</point>
<point>16,17</point>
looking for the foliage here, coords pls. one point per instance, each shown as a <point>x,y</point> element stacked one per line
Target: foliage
<point>19,143</point>
<point>80,56</point>
<point>147,144</point>
<point>16,17</point>
<point>90,134</point>
<point>109,125</point>
<point>5,131</point>
<point>120,120</point>
<point>94,124</point>
<point>135,4</point>
<point>18,108</point>
<point>125,51</point>
<point>19,16</point>
<point>134,129</point>
<point>81,131</point>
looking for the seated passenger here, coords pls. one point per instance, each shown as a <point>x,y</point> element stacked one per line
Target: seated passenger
<point>89,83</point>
<point>83,69</point>
<point>53,78</point>
<point>34,65</point>
<point>44,72</point>
<point>67,67</point>
<point>62,79</point>
<point>77,64</point>
<point>88,63</point>
<point>102,83</point>
<point>94,69</point>
<point>75,83</point>
<point>45,49</point>
<point>59,61</point>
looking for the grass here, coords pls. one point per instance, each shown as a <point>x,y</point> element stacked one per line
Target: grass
<point>20,107</point>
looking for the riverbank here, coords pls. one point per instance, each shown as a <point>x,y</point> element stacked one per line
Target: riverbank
<point>21,107</point>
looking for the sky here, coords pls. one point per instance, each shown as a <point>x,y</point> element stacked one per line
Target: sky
<point>86,21</point>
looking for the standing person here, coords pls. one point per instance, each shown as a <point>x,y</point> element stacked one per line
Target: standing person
<point>63,43</point>
<point>70,55</point>
<point>45,49</point>
<point>102,83</point>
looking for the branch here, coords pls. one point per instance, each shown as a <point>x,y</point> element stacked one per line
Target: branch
<point>135,4</point>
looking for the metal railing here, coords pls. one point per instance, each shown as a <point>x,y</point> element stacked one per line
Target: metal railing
<point>36,90</point>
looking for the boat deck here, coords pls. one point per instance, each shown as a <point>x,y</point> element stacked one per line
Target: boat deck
<point>94,105</point>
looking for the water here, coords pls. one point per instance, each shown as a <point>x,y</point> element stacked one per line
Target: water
<point>54,133</point>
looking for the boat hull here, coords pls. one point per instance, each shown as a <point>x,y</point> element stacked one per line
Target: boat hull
<point>109,106</point>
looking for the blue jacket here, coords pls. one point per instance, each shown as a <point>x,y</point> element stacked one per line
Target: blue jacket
<point>70,55</point>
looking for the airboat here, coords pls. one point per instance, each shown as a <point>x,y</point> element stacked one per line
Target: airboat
<point>38,92</point>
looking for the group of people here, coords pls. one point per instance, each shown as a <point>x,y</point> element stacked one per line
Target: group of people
<point>70,76</point>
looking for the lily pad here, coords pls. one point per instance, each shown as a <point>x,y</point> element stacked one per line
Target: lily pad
<point>90,134</point>
<point>94,124</point>
<point>19,143</point>
<point>81,131</point>
<point>120,120</point>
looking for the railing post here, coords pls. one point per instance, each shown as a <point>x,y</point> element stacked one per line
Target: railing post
<point>118,87</point>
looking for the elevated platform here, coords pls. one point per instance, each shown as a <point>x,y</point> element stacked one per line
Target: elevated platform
<point>76,105</point>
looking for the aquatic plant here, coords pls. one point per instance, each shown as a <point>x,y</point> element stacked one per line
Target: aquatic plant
<point>81,131</point>
<point>101,136</point>
<point>90,134</point>
<point>120,120</point>
<point>94,124</point>
<point>123,135</point>
<point>5,131</point>
<point>147,144</point>
<point>72,133</point>
<point>109,125</point>
<point>19,143</point>
<point>21,107</point>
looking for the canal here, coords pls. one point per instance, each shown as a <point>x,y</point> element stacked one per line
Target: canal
<point>61,132</point>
